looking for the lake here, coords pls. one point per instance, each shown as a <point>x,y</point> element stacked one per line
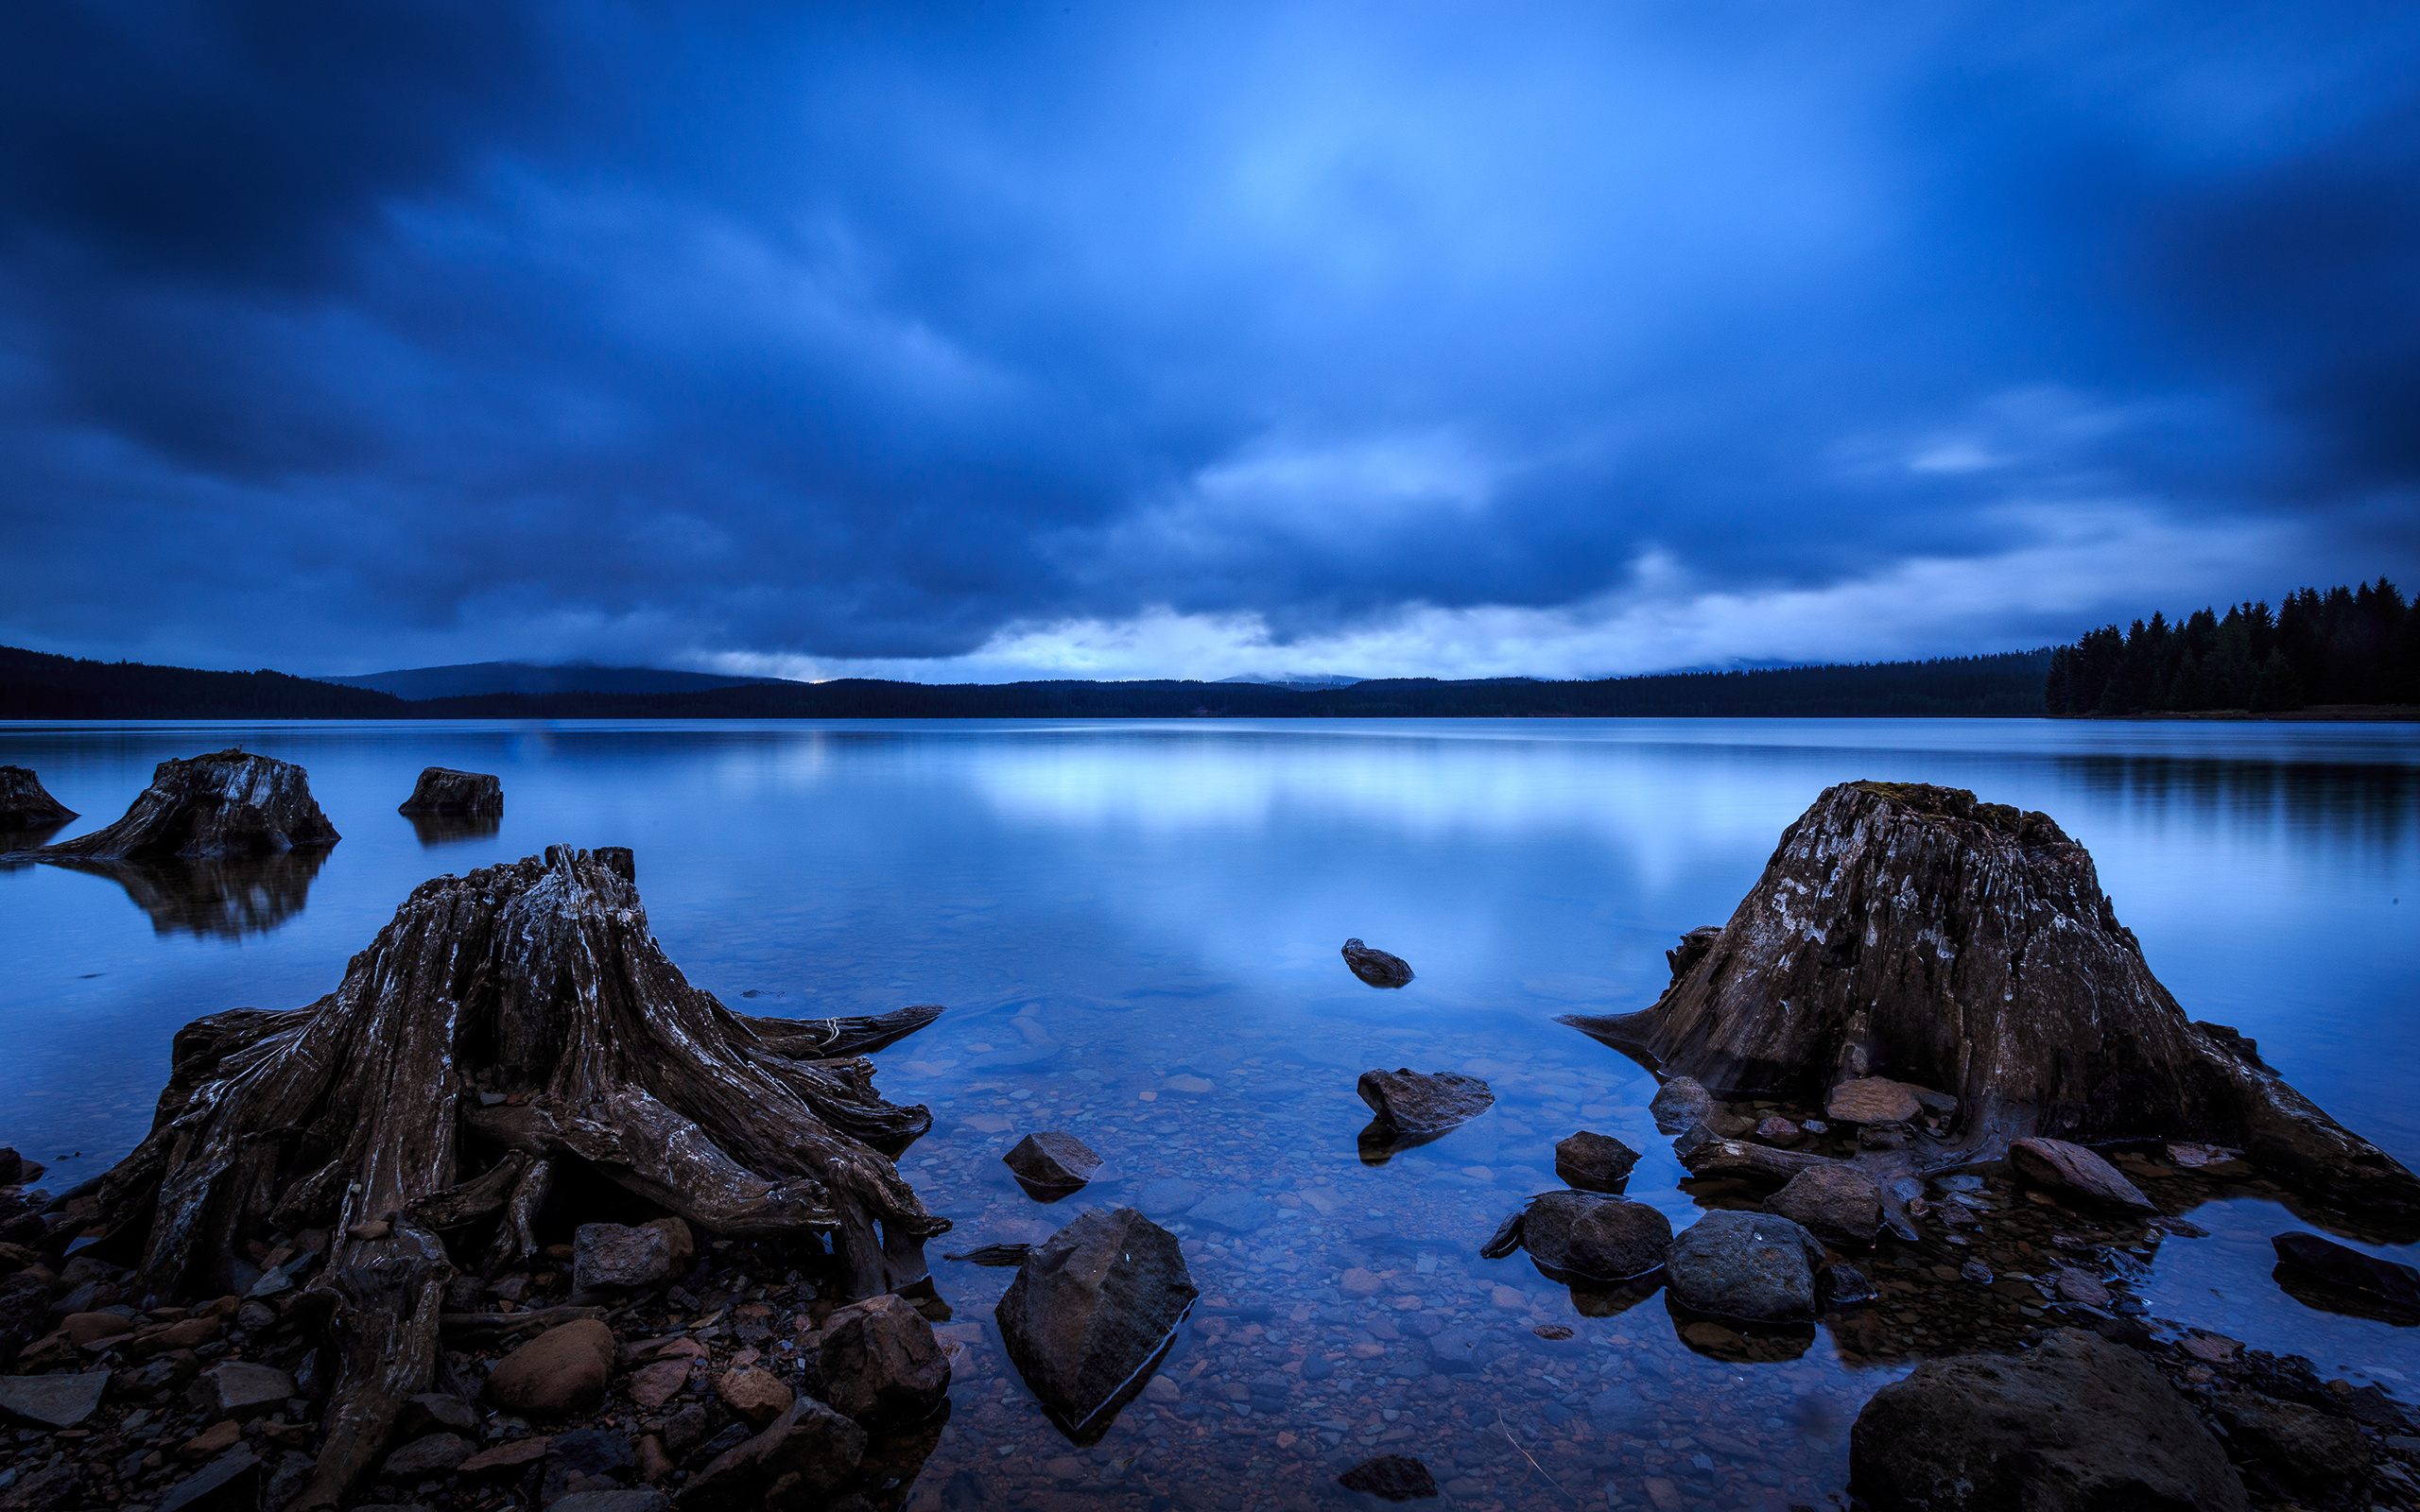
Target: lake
<point>1135,929</point>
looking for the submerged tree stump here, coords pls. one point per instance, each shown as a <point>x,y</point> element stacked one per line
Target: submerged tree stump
<point>25,804</point>
<point>226,803</point>
<point>1912,932</point>
<point>505,1030</point>
<point>442,790</point>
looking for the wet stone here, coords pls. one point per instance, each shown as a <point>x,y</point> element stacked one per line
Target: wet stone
<point>1390,1478</point>
<point>1680,1103</point>
<point>2072,1171</point>
<point>1053,1158</point>
<point>1594,1162</point>
<point>610,1257</point>
<point>1746,1265</point>
<point>1412,1102</point>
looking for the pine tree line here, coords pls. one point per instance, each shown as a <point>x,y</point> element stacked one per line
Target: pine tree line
<point>2346,645</point>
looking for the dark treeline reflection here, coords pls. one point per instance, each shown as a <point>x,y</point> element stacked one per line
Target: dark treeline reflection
<point>2373,804</point>
<point>222,899</point>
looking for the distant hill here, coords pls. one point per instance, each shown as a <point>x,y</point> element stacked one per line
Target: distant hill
<point>472,679</point>
<point>35,685</point>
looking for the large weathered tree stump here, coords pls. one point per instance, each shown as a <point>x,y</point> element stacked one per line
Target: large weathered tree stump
<point>505,1028</point>
<point>1912,932</point>
<point>226,803</point>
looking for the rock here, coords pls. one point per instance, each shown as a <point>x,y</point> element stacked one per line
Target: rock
<point>2078,1286</point>
<point>243,1391</point>
<point>1871,1100</point>
<point>25,1312</point>
<point>1376,967</point>
<point>675,1233</point>
<point>1236,1211</point>
<point>2044,1020</point>
<point>1586,1236</point>
<point>1976,1271</point>
<point>882,1365</point>
<point>25,805</point>
<point>2323,1457</point>
<point>211,1441</point>
<point>1360,1282</point>
<point>423,1458</point>
<point>1837,1204</point>
<point>1678,1104</point>
<point>1413,1102</point>
<point>757,1396</point>
<point>1594,1162</point>
<point>1191,1086</point>
<point>2391,1282</point>
<point>504,1461</point>
<point>2077,1424</point>
<point>660,1383</point>
<point>654,1462</point>
<point>1090,1312</point>
<point>228,1484</point>
<point>51,1401</point>
<point>1846,1286</point>
<point>1390,1478</point>
<point>442,790</point>
<point>86,1328</point>
<point>608,1256</point>
<point>561,1371</point>
<point>434,1412</point>
<point>2070,1170</point>
<point>1169,1195</point>
<point>186,1333</point>
<point>227,803</point>
<point>1054,1160</point>
<point>1780,1131</point>
<point>811,1441</point>
<point>1750,1266</point>
<point>638,1499</point>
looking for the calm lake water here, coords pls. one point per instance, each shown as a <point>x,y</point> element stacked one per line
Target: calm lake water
<point>1107,906</point>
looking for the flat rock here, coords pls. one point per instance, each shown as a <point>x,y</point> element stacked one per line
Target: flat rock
<point>228,1484</point>
<point>1754,1265</point>
<point>244,1391</point>
<point>1090,1312</point>
<point>2072,1171</point>
<point>426,1457</point>
<point>1412,1102</point>
<point>1053,1158</point>
<point>1680,1103</point>
<point>1595,1162</point>
<point>1169,1195</point>
<point>758,1396</point>
<point>610,1257</point>
<point>882,1365</point>
<point>1835,1203</point>
<point>1872,1100</point>
<point>1390,1478</point>
<point>561,1371</point>
<point>2074,1285</point>
<point>2080,1424</point>
<point>1236,1211</point>
<point>504,1461</point>
<point>2389,1281</point>
<point>1376,967</point>
<point>657,1383</point>
<point>51,1401</point>
<point>1592,1236</point>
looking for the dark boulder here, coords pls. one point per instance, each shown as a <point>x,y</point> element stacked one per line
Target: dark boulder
<point>2074,1172</point>
<point>1838,1204</point>
<point>1376,967</point>
<point>1594,1162</point>
<point>1586,1236</point>
<point>2390,1287</point>
<point>881,1364</point>
<point>24,805</point>
<point>1751,1265</point>
<point>2301,1451</point>
<point>1389,1478</point>
<point>226,803</point>
<point>2076,1424</point>
<point>442,790</point>
<point>1053,1160</point>
<point>1089,1314</point>
<point>2044,1020</point>
<point>1680,1105</point>
<point>1412,1102</point>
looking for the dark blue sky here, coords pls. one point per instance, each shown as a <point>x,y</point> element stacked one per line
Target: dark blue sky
<point>1124,340</point>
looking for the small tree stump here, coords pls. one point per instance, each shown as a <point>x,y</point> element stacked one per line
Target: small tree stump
<point>442,790</point>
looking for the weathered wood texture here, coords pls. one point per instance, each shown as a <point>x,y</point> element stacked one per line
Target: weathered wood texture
<point>226,803</point>
<point>25,804</point>
<point>536,983</point>
<point>1912,932</point>
<point>444,790</point>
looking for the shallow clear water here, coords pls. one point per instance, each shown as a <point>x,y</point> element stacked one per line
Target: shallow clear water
<point>1107,906</point>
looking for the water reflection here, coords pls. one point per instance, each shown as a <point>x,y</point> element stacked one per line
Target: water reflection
<point>16,843</point>
<point>213,899</point>
<point>435,829</point>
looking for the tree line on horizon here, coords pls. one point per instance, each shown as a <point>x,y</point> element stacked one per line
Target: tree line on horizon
<point>2347,645</point>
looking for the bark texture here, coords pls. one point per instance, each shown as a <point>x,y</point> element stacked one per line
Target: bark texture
<point>504,1028</point>
<point>226,803</point>
<point>24,805</point>
<point>444,790</point>
<point>1912,932</point>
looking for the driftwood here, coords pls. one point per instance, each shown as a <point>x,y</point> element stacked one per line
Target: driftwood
<point>1912,932</point>
<point>506,1025</point>
<point>226,803</point>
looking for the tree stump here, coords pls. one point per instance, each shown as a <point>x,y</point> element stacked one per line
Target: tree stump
<point>505,1028</point>
<point>442,790</point>
<point>226,803</point>
<point>1912,932</point>
<point>25,804</point>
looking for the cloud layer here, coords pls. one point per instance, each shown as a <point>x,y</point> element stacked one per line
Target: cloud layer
<point>983,341</point>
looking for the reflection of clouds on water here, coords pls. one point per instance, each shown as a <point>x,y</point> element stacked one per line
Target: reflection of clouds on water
<point>225,899</point>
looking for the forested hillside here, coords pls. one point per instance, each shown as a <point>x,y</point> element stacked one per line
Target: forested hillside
<point>2347,645</point>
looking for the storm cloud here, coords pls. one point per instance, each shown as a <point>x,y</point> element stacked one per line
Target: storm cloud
<point>981,341</point>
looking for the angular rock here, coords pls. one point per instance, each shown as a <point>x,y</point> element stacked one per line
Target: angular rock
<point>504,1461</point>
<point>1871,1100</point>
<point>1412,1102</point>
<point>817,1445</point>
<point>757,1396</point>
<point>1594,1162</point>
<point>243,1391</point>
<point>434,1412</point>
<point>2391,1283</point>
<point>676,1234</point>
<point>228,1484</point>
<point>1779,1131</point>
<point>658,1384</point>
<point>608,1256</point>
<point>2079,1424</point>
<point>1390,1478</point>
<point>1752,1265</point>
<point>882,1365</point>
<point>2323,1459</point>
<point>51,1401</point>
<point>444,790</point>
<point>2074,1285</point>
<point>1054,1160</point>
<point>24,805</point>
<point>2042,1020</point>
<point>636,1499</point>
<point>2070,1170</point>
<point>1236,1212</point>
<point>227,803</point>
<point>432,1456</point>
<point>1838,1204</point>
<point>1091,1311</point>
<point>1680,1103</point>
<point>561,1373</point>
<point>1376,967</point>
<point>1586,1236</point>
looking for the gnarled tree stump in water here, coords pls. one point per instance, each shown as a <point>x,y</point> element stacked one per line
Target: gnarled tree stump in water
<point>25,804</point>
<point>507,1026</point>
<point>226,803</point>
<point>441,790</point>
<point>1912,932</point>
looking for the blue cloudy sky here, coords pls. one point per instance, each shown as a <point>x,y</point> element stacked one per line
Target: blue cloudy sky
<point>987,340</point>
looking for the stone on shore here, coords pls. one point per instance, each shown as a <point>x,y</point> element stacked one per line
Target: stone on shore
<point>561,1373</point>
<point>2077,1424</point>
<point>1413,1102</point>
<point>1054,1160</point>
<point>444,790</point>
<point>243,1391</point>
<point>1594,1162</point>
<point>436,1454</point>
<point>1376,967</point>
<point>1752,1265</point>
<point>2072,1171</point>
<point>757,1396</point>
<point>2389,1281</point>
<point>1090,1310</point>
<point>1872,1100</point>
<point>1835,1203</point>
<point>1587,1235</point>
<point>1680,1103</point>
<point>51,1401</point>
<point>610,1257</point>
<point>881,1363</point>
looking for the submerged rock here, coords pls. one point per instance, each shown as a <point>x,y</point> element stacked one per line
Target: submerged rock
<point>25,804</point>
<point>1680,1105</point>
<point>2079,1424</point>
<point>1091,1311</point>
<point>1412,1102</point>
<point>1586,1235</point>
<point>1390,1478</point>
<point>442,790</point>
<point>2389,1285</point>
<point>1376,967</point>
<point>1752,1265</point>
<point>1594,1162</point>
<point>1054,1160</point>
<point>1837,1204</point>
<point>2073,1171</point>
<point>226,803</point>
